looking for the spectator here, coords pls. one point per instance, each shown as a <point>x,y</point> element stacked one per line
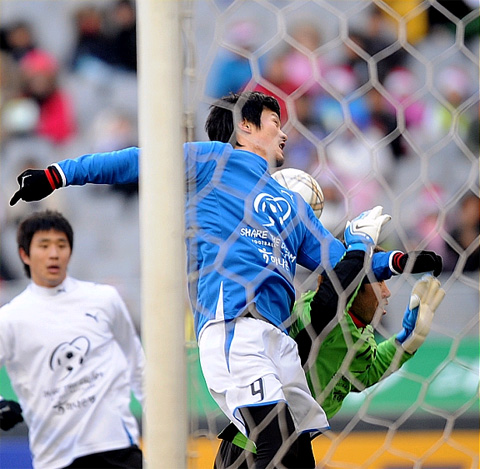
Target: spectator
<point>454,85</point>
<point>291,68</point>
<point>39,74</point>
<point>114,129</point>
<point>421,218</point>
<point>231,70</point>
<point>465,235</point>
<point>353,160</point>
<point>458,8</point>
<point>11,90</point>
<point>277,84</point>
<point>373,38</point>
<point>303,65</point>
<point>304,137</point>
<point>93,52</point>
<point>18,39</point>
<point>381,33</point>
<point>401,84</point>
<point>342,82</point>
<point>385,120</point>
<point>124,37</point>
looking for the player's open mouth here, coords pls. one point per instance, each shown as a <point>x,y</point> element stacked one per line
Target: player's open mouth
<point>282,146</point>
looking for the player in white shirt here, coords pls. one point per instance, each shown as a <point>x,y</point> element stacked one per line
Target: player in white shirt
<point>73,357</point>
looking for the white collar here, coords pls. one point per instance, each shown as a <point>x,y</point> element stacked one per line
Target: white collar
<point>66,286</point>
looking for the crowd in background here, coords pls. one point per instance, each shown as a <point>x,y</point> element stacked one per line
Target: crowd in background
<point>53,109</point>
<point>347,121</point>
<point>381,130</point>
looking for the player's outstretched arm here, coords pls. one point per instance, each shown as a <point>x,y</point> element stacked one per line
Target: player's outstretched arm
<point>416,262</point>
<point>10,414</point>
<point>116,167</point>
<point>425,298</point>
<point>387,264</point>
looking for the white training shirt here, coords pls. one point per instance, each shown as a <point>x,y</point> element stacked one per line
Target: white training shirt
<point>73,357</point>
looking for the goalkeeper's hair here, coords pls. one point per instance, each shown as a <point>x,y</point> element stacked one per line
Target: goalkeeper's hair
<point>42,221</point>
<point>235,107</point>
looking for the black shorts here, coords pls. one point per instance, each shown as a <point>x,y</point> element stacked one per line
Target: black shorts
<point>126,458</point>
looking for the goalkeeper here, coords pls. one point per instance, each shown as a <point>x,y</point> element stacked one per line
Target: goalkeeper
<point>342,356</point>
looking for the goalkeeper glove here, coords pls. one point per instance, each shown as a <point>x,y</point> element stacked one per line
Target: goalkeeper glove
<point>362,232</point>
<point>416,262</point>
<point>10,414</point>
<point>425,298</point>
<point>36,184</point>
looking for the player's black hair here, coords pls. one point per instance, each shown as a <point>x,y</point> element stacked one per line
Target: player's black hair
<point>42,221</point>
<point>233,108</point>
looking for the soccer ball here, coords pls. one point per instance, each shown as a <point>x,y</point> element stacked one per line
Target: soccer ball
<point>299,181</point>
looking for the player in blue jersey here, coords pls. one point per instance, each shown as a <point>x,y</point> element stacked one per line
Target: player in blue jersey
<point>245,235</point>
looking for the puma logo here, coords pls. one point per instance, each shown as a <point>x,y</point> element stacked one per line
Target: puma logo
<point>93,316</point>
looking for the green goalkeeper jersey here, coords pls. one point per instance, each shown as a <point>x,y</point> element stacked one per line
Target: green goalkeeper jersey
<point>348,359</point>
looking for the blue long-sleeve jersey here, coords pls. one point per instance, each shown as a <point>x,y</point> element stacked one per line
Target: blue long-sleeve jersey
<point>245,233</point>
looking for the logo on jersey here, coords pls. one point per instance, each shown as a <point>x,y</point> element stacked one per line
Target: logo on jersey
<point>69,356</point>
<point>275,208</point>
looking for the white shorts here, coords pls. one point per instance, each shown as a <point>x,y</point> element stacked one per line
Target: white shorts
<point>250,362</point>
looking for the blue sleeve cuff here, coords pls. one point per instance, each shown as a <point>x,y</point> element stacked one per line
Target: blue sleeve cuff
<point>381,265</point>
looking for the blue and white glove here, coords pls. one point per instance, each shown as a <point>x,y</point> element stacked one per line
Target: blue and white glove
<point>362,232</point>
<point>425,298</point>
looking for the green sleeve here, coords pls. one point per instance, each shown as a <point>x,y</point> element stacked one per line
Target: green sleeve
<point>325,377</point>
<point>301,313</point>
<point>388,359</point>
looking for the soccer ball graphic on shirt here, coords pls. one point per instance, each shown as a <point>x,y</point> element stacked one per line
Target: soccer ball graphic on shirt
<point>69,356</point>
<point>299,181</point>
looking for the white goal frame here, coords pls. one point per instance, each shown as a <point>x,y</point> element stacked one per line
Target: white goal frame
<point>162,233</point>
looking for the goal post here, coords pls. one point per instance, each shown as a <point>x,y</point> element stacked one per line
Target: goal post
<point>162,232</point>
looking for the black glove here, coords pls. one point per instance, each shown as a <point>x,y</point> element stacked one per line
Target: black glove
<point>417,262</point>
<point>10,414</point>
<point>36,184</point>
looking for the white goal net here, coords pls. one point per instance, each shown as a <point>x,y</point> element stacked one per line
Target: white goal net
<point>380,103</point>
